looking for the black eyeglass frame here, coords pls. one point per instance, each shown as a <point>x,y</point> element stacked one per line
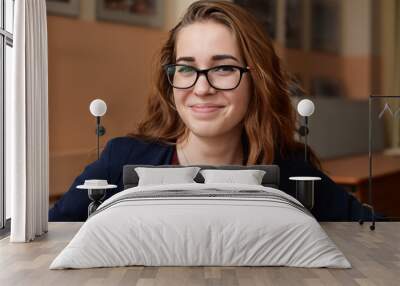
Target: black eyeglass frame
<point>199,72</point>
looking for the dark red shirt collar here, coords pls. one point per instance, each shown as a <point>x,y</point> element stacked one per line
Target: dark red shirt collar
<point>175,160</point>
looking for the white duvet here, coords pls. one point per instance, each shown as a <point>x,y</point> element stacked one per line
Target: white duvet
<point>269,228</point>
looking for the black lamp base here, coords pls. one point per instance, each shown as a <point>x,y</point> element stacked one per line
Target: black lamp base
<point>96,196</point>
<point>305,193</point>
<point>305,190</point>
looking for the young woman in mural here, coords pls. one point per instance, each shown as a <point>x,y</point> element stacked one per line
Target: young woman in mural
<point>221,97</point>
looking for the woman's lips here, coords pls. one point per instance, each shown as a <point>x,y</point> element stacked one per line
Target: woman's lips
<point>206,108</point>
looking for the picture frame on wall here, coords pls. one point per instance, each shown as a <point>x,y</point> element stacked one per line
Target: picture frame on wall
<point>63,7</point>
<point>136,12</point>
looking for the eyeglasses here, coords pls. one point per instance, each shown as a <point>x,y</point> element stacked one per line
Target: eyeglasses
<point>224,77</point>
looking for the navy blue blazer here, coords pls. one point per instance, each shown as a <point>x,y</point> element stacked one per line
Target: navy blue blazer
<point>332,202</point>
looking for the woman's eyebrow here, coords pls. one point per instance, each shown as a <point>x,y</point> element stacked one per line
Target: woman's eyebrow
<point>186,59</point>
<point>224,57</point>
<point>214,58</point>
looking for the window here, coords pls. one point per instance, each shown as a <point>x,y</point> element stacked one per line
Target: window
<point>325,25</point>
<point>265,11</point>
<point>6,61</point>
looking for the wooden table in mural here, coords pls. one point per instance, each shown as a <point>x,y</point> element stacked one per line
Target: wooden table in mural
<point>374,255</point>
<point>353,172</point>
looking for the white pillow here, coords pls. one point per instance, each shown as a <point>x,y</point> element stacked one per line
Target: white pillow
<point>162,176</point>
<point>248,177</point>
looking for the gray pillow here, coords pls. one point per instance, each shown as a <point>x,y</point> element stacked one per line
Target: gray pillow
<point>270,179</point>
<point>162,176</point>
<point>247,177</point>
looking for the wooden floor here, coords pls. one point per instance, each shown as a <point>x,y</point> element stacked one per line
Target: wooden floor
<point>374,255</point>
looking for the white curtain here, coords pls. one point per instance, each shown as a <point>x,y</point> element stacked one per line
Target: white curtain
<point>27,156</point>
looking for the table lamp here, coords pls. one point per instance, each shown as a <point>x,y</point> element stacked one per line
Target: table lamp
<point>305,108</point>
<point>305,184</point>
<point>98,108</point>
<point>97,188</point>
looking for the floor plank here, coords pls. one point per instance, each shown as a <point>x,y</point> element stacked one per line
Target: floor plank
<point>374,255</point>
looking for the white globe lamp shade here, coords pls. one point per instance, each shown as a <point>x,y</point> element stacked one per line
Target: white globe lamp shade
<point>98,107</point>
<point>305,107</point>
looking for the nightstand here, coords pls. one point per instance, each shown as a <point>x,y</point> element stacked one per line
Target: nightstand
<point>305,190</point>
<point>96,191</point>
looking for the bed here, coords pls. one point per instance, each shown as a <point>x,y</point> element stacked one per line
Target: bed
<point>201,223</point>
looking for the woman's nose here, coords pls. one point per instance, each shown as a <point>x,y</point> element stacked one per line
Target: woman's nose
<point>203,87</point>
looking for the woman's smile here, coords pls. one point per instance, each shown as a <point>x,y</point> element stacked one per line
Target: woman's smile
<point>206,108</point>
<point>203,111</point>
